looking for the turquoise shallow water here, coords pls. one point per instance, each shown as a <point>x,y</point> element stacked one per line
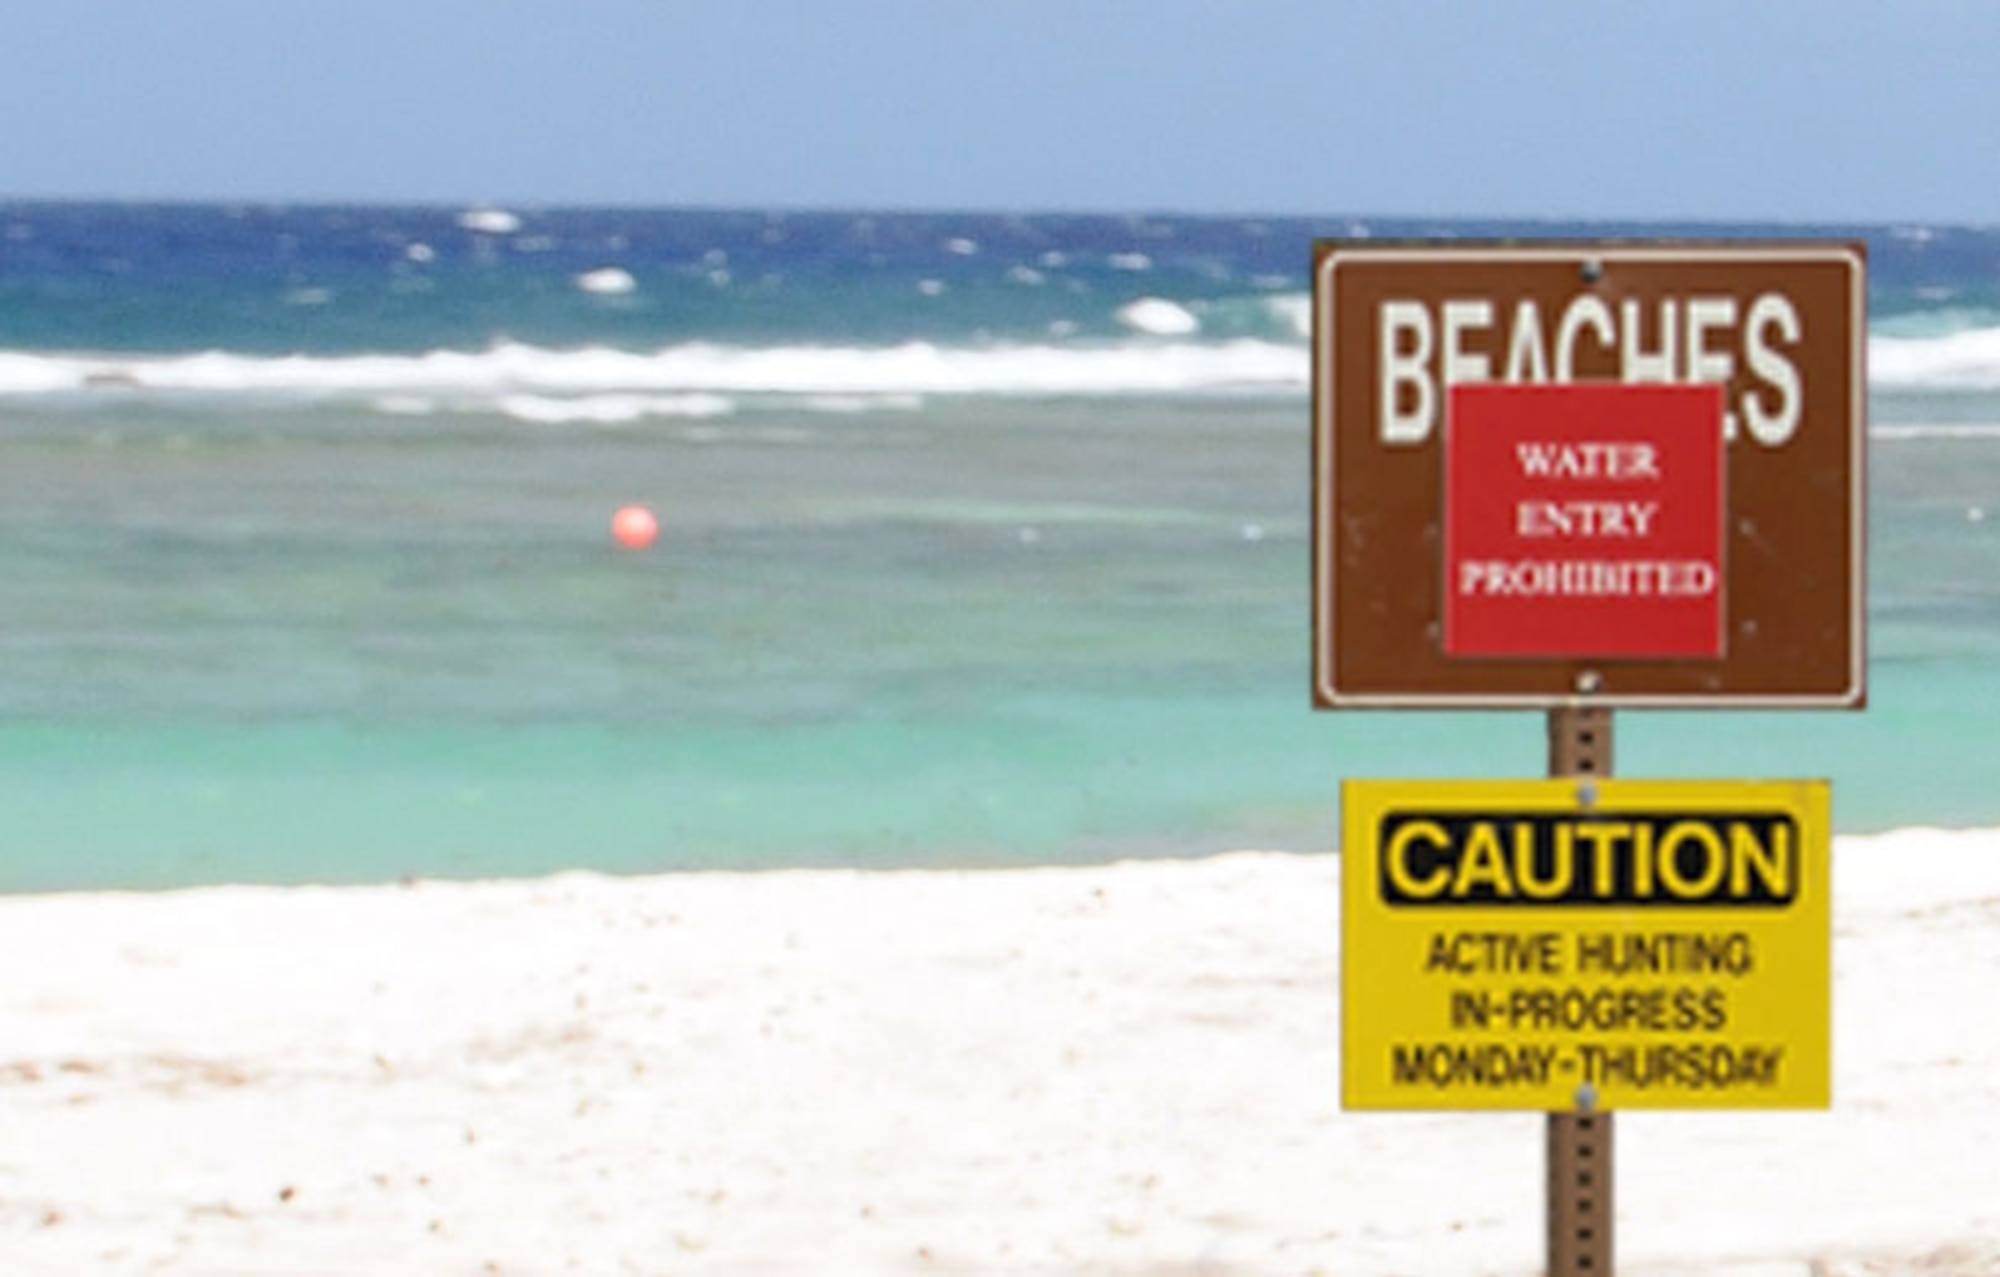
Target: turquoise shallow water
<point>317,586</point>
<point>157,804</point>
<point>1079,633</point>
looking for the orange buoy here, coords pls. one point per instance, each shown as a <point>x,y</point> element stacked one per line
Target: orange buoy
<point>634,527</point>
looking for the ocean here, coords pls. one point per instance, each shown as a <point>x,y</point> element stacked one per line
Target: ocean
<point>984,541</point>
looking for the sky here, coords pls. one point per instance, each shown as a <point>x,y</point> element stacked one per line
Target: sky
<point>1787,110</point>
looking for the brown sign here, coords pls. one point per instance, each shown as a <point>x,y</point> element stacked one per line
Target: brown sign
<point>1780,327</point>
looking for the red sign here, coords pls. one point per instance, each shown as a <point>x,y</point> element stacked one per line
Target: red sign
<point>1583,520</point>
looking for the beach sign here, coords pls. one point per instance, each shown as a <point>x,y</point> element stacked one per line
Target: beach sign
<point>1632,471</point>
<point>1593,945</point>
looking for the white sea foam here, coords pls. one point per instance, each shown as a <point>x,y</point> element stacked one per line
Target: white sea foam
<point>1159,317</point>
<point>28,374</point>
<point>1294,311</point>
<point>1164,357</point>
<point>1968,359</point>
<point>611,410</point>
<point>607,281</point>
<point>909,369</point>
<point>853,405</point>
<point>489,221</point>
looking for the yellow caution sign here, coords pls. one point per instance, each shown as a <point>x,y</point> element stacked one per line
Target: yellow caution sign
<point>1555,944</point>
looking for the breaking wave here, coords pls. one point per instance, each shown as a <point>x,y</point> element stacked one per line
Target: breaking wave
<point>1163,359</point>
<point>1968,359</point>
<point>912,368</point>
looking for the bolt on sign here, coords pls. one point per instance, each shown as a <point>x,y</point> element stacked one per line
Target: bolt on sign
<point>1633,469</point>
<point>1554,944</point>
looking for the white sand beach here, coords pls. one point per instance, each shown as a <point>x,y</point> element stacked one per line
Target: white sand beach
<point>1123,1069</point>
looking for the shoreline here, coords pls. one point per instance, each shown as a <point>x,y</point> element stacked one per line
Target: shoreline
<point>1125,1068</point>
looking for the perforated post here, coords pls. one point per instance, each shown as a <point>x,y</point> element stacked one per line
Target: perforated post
<point>1580,1142</point>
<point>1579,742</point>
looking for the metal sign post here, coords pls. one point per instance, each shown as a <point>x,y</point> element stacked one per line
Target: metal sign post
<point>1580,1143</point>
